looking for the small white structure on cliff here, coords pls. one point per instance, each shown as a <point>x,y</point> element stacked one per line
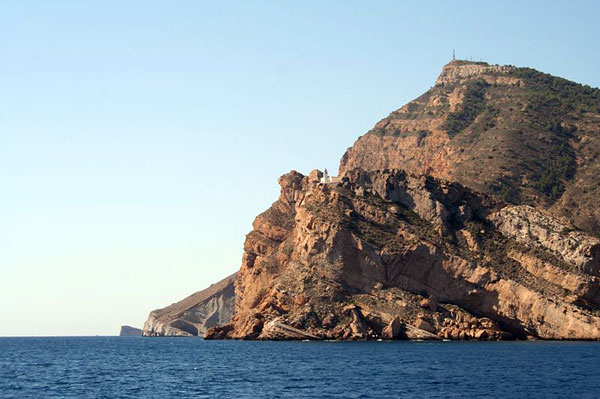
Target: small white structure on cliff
<point>328,179</point>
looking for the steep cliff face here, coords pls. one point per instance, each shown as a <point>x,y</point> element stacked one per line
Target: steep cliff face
<point>388,254</point>
<point>519,134</point>
<point>194,314</point>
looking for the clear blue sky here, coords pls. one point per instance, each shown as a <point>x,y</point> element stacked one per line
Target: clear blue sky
<point>139,139</point>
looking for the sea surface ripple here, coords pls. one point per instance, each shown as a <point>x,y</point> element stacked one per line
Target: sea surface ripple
<point>136,367</point>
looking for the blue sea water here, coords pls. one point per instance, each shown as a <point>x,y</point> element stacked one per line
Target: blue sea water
<point>124,367</point>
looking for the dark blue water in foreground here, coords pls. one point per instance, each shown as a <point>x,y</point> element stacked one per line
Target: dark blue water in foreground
<point>170,367</point>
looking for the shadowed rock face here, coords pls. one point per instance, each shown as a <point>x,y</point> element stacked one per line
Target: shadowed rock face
<point>392,255</point>
<point>128,331</point>
<point>194,314</point>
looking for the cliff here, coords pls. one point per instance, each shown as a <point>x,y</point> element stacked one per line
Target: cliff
<point>193,315</point>
<point>469,213</point>
<point>390,254</point>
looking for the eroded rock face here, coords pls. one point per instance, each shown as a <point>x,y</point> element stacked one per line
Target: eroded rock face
<point>392,255</point>
<point>458,71</point>
<point>534,227</point>
<point>491,128</point>
<point>194,314</point>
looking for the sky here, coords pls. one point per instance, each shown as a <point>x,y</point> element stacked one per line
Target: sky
<point>139,139</point>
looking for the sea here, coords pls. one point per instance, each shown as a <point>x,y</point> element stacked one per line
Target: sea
<point>136,367</point>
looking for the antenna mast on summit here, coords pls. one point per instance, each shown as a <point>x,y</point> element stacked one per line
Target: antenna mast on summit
<point>453,55</point>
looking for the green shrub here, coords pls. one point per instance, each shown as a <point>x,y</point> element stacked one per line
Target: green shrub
<point>554,96</point>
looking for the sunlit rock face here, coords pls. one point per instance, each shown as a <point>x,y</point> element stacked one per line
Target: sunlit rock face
<point>394,255</point>
<point>469,213</point>
<point>194,314</point>
<point>518,134</point>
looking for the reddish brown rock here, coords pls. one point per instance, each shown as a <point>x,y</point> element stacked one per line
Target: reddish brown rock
<point>430,303</point>
<point>497,147</point>
<point>393,330</point>
<point>415,234</point>
<point>354,260</point>
<point>424,325</point>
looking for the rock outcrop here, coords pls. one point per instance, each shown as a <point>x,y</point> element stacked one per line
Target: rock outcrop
<point>194,314</point>
<point>529,225</point>
<point>128,331</point>
<point>393,255</point>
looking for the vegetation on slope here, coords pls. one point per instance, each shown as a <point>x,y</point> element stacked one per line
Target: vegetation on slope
<point>473,104</point>
<point>524,136</point>
<point>556,97</point>
<point>551,103</point>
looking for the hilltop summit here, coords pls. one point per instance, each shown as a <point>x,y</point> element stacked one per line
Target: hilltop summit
<point>522,135</point>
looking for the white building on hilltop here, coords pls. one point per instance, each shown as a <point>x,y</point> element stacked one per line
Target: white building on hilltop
<point>328,179</point>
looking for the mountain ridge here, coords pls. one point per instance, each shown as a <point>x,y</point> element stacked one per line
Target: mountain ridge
<point>516,133</point>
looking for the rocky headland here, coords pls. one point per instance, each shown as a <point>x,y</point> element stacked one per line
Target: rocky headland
<point>470,213</point>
